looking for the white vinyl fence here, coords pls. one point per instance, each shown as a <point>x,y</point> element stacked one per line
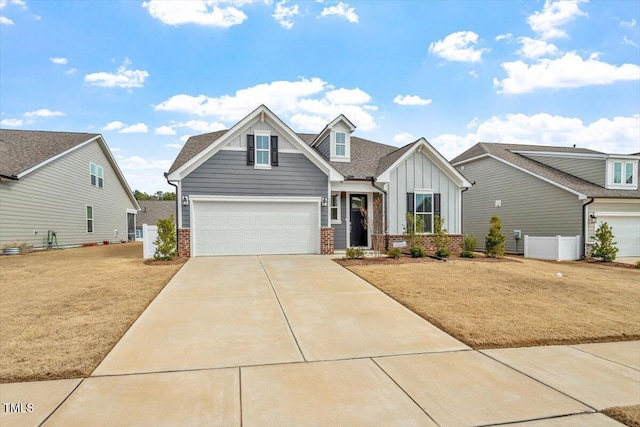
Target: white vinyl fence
<point>556,248</point>
<point>149,236</point>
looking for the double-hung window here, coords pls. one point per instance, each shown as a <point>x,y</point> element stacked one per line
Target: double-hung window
<point>341,144</point>
<point>623,173</point>
<point>89,219</point>
<point>97,175</point>
<point>100,177</point>
<point>424,212</point>
<point>335,208</point>
<point>262,151</point>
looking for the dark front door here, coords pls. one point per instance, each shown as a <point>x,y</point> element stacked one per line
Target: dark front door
<point>358,203</point>
<point>131,227</point>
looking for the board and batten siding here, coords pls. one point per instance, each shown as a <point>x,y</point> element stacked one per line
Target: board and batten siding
<point>340,230</point>
<point>55,196</point>
<point>592,170</point>
<point>418,172</point>
<point>536,207</point>
<point>240,141</point>
<point>226,173</point>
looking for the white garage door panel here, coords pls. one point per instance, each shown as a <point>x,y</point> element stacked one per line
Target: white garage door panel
<point>626,230</point>
<point>255,228</point>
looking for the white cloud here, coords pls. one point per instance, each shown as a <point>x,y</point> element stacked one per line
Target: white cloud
<point>348,96</point>
<point>629,42</point>
<point>123,77</point>
<point>533,49</point>
<point>59,60</point>
<point>308,101</point>
<point>553,16</point>
<point>201,126</point>
<point>503,37</point>
<point>145,174</point>
<point>628,24</point>
<point>473,74</point>
<point>184,138</point>
<point>458,47</point>
<point>200,12</point>
<point>165,130</point>
<point>410,100</point>
<point>43,113</point>
<point>12,122</point>
<point>173,146</point>
<point>71,70</point>
<point>569,71</point>
<point>403,138</point>
<point>617,135</point>
<point>137,128</point>
<point>341,10</point>
<point>113,126</point>
<point>5,21</point>
<point>284,14</point>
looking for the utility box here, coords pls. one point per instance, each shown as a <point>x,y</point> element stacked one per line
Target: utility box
<point>517,234</point>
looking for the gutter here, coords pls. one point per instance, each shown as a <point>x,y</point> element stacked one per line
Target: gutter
<point>166,176</point>
<point>386,212</point>
<point>9,177</point>
<point>584,226</point>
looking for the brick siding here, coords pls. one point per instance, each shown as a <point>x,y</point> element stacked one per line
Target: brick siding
<point>326,241</point>
<point>427,241</point>
<point>184,242</point>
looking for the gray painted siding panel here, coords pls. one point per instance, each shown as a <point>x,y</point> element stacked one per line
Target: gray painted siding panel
<point>340,230</point>
<point>592,170</point>
<point>55,196</point>
<point>227,174</point>
<point>418,172</point>
<point>528,204</point>
<point>324,147</point>
<point>240,141</point>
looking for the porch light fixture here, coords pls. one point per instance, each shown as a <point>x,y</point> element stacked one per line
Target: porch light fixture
<point>324,202</point>
<point>185,200</point>
<point>593,218</point>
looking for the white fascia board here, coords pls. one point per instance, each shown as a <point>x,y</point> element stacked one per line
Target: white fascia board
<point>623,157</point>
<point>462,162</point>
<point>591,156</point>
<point>614,200</point>
<point>550,181</point>
<point>354,187</point>
<point>623,214</point>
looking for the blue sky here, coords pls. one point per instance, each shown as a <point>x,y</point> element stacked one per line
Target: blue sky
<point>147,75</point>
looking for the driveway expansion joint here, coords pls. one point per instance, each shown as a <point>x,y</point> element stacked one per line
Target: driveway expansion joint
<point>61,403</point>
<point>603,358</point>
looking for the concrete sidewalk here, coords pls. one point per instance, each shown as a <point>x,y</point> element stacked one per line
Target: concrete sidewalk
<point>298,340</point>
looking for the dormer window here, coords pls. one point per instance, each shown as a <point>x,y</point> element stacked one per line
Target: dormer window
<point>623,174</point>
<point>341,144</point>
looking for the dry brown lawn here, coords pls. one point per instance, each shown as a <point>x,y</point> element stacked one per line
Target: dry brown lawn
<point>518,303</point>
<point>628,415</point>
<point>62,311</point>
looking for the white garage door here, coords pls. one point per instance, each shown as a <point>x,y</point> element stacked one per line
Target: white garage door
<point>626,230</point>
<point>255,227</point>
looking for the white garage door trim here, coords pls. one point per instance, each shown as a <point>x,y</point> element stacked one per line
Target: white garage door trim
<point>194,200</point>
<point>610,217</point>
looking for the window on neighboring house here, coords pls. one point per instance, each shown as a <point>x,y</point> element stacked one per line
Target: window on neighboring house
<point>97,175</point>
<point>424,209</point>
<point>89,219</point>
<point>617,172</point>
<point>335,208</point>
<point>623,173</point>
<point>628,174</point>
<point>341,144</point>
<point>100,177</point>
<point>262,150</point>
<point>93,172</point>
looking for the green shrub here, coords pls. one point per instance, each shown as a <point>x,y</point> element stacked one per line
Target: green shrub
<point>355,253</point>
<point>394,253</point>
<point>604,247</point>
<point>417,252</point>
<point>440,237</point>
<point>166,243</point>
<point>638,264</point>
<point>468,245</point>
<point>413,223</point>
<point>443,253</point>
<point>494,242</point>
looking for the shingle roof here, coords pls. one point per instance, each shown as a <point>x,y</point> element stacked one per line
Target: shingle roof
<point>154,210</point>
<point>366,156</point>
<point>21,150</point>
<point>505,152</point>
<point>389,159</point>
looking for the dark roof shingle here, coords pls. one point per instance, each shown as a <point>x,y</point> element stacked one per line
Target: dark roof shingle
<point>154,210</point>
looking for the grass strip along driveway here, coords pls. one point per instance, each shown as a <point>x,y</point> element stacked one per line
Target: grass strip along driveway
<point>513,304</point>
<point>62,311</point>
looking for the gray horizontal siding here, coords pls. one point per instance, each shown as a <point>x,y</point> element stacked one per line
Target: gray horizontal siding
<point>528,204</point>
<point>340,230</point>
<point>418,172</point>
<point>324,147</point>
<point>54,197</point>
<point>592,170</point>
<point>227,174</point>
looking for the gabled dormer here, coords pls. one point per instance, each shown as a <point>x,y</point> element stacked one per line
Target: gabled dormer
<point>334,142</point>
<point>622,172</point>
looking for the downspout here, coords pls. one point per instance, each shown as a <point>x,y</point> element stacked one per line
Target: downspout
<point>166,176</point>
<point>386,212</point>
<point>584,226</point>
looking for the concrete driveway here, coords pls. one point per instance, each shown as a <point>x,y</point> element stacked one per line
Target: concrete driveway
<point>298,340</point>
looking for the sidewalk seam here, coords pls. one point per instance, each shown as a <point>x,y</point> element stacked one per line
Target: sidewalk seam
<point>603,358</point>
<point>61,403</point>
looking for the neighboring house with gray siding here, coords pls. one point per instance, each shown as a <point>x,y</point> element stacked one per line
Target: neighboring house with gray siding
<point>261,188</point>
<point>549,191</point>
<point>64,182</point>
<point>152,211</point>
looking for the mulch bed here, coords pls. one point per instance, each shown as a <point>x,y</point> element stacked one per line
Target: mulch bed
<point>174,261</point>
<point>406,259</point>
<point>607,264</point>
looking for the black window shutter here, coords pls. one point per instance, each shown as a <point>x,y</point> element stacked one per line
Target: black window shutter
<point>436,204</point>
<point>274,151</point>
<point>411,203</point>
<point>251,150</point>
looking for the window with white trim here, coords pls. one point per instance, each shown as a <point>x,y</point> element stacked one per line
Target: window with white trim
<point>262,150</point>
<point>96,175</point>
<point>341,144</point>
<point>100,177</point>
<point>335,208</point>
<point>623,173</point>
<point>424,210</point>
<point>92,171</point>
<point>89,219</point>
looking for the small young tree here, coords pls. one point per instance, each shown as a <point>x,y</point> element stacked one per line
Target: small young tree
<point>494,241</point>
<point>440,237</point>
<point>468,246</point>
<point>604,247</point>
<point>413,223</point>
<point>166,244</point>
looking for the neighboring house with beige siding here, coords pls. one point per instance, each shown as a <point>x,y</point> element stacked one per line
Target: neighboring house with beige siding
<point>549,191</point>
<point>64,182</point>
